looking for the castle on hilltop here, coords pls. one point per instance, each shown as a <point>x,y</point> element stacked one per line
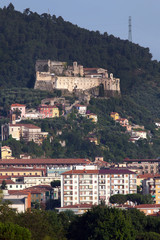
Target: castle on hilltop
<point>58,75</point>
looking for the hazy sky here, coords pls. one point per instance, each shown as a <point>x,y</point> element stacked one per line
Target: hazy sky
<point>109,16</point>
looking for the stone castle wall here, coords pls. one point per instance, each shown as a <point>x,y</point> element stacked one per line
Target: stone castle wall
<point>63,78</point>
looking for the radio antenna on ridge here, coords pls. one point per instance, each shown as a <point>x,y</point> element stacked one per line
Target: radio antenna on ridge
<point>129,30</point>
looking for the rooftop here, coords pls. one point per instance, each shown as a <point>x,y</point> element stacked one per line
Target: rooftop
<point>17,105</point>
<point>56,161</point>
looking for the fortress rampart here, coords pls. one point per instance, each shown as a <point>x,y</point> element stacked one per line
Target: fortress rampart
<point>57,75</point>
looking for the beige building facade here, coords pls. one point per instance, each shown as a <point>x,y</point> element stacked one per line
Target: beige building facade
<point>57,75</point>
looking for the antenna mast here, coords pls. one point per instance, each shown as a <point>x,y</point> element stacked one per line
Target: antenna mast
<point>129,30</point>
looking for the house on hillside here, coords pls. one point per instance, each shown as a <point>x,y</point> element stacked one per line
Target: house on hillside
<point>20,107</point>
<point>114,115</point>
<point>93,117</point>
<point>28,132</point>
<point>82,109</point>
<point>48,111</point>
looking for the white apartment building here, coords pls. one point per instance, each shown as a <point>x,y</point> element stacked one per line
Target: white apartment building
<point>93,186</point>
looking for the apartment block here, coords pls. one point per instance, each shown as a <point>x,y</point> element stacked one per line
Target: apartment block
<point>143,166</point>
<point>94,186</point>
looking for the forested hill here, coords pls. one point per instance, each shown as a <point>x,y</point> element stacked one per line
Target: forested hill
<point>27,36</point>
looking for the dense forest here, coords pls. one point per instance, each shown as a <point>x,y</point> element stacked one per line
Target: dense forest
<point>101,222</point>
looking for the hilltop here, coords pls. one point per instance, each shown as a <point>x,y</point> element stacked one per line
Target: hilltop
<point>28,36</point>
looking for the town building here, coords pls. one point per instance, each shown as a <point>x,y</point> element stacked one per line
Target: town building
<point>143,166</point>
<point>28,132</point>
<point>115,115</point>
<point>20,107</point>
<point>48,111</point>
<point>139,133</point>
<point>44,163</point>
<point>94,186</point>
<point>93,117</point>
<point>82,109</point>
<point>6,152</point>
<point>19,200</point>
<point>148,209</point>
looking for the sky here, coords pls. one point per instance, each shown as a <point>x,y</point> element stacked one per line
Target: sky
<point>109,16</point>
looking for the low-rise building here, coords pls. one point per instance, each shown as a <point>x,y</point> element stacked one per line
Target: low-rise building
<point>6,152</point>
<point>93,117</point>
<point>115,115</point>
<point>82,109</point>
<point>19,200</point>
<point>28,132</point>
<point>148,209</point>
<point>139,133</point>
<point>143,166</point>
<point>48,111</point>
<point>20,107</point>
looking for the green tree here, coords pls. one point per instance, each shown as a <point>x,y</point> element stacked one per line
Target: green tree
<point>102,223</point>
<point>4,185</point>
<point>10,231</point>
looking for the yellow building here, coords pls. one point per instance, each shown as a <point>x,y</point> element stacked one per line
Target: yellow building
<point>115,115</point>
<point>157,189</point>
<point>93,117</point>
<point>6,153</point>
<point>55,111</point>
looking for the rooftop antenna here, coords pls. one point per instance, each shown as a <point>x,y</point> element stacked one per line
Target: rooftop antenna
<point>129,30</point>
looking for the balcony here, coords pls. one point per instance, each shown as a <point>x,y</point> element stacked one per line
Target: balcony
<point>85,182</point>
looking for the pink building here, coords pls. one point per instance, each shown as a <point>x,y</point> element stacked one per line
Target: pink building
<point>48,111</point>
<point>20,107</point>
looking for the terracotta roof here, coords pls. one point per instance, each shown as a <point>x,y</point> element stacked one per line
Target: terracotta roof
<point>20,169</point>
<point>148,206</point>
<point>8,181</point>
<point>148,175</point>
<point>115,171</point>
<point>24,125</point>
<point>141,160</point>
<point>114,113</point>
<point>47,106</point>
<point>18,192</point>
<point>101,171</point>
<point>5,147</point>
<point>79,105</point>
<point>56,161</point>
<point>81,172</point>
<point>17,105</point>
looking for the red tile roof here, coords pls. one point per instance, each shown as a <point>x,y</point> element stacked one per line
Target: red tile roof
<point>17,105</point>
<point>4,147</point>
<point>115,171</point>
<point>141,160</point>
<point>56,161</point>
<point>47,106</point>
<point>20,169</point>
<point>24,125</point>
<point>148,175</point>
<point>81,172</point>
<point>101,171</point>
<point>147,206</point>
